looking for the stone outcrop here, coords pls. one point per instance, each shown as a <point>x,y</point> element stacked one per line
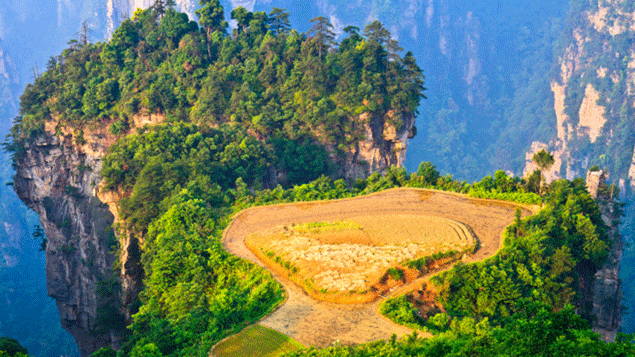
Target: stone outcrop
<point>57,180</point>
<point>384,144</point>
<point>594,66</point>
<point>607,286</point>
<point>58,177</point>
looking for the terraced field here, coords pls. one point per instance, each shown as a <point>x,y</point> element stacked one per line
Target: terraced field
<point>320,323</point>
<point>344,261</point>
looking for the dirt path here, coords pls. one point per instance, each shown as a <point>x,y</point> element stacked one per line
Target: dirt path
<point>318,323</point>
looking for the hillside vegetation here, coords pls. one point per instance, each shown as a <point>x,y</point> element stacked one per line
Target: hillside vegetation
<point>288,90</point>
<point>236,105</point>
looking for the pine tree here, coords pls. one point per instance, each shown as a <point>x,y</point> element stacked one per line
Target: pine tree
<point>212,19</point>
<point>159,8</point>
<point>323,34</point>
<point>279,21</point>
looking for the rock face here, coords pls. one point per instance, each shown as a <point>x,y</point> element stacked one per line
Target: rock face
<point>594,101</point>
<point>58,177</point>
<point>607,286</point>
<point>384,144</point>
<point>594,93</point>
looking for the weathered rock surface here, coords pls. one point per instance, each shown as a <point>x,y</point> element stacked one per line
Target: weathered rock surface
<point>607,286</point>
<point>384,144</point>
<point>594,96</point>
<point>592,68</point>
<point>58,177</point>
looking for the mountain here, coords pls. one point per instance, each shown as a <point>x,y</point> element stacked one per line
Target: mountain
<point>26,312</point>
<point>503,80</point>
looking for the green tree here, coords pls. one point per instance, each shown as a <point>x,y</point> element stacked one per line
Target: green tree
<point>428,172</point>
<point>279,21</point>
<point>212,19</point>
<point>322,32</point>
<point>544,160</point>
<point>12,347</point>
<point>243,18</point>
<point>159,8</point>
<point>352,40</point>
<point>376,33</point>
<point>104,352</point>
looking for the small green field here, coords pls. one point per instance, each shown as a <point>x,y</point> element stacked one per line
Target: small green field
<point>256,341</point>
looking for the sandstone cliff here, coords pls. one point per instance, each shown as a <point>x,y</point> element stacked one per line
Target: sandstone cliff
<point>607,286</point>
<point>383,145</point>
<point>594,102</point>
<point>594,94</point>
<point>58,177</point>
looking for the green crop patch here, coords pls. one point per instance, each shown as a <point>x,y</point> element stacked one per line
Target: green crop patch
<point>256,341</point>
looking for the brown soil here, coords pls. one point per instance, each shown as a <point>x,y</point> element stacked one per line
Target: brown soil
<point>319,323</point>
<point>340,261</point>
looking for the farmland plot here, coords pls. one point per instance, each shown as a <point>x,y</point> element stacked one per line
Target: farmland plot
<point>367,223</point>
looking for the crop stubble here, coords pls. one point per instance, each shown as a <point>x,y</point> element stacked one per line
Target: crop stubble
<point>320,323</point>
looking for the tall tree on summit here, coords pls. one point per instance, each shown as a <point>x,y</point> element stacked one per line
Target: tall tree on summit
<point>378,36</point>
<point>242,17</point>
<point>322,33</point>
<point>211,18</point>
<point>376,33</point>
<point>279,21</point>
<point>159,8</point>
<point>352,39</point>
<point>414,75</point>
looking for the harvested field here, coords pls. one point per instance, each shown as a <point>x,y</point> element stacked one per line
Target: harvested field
<point>344,259</point>
<point>320,323</point>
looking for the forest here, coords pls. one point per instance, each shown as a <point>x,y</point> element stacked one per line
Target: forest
<point>264,78</point>
<point>266,98</point>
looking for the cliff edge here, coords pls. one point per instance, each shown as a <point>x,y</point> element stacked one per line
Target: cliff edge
<point>58,176</point>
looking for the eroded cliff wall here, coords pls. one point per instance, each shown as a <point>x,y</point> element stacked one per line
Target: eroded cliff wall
<point>93,283</point>
<point>607,286</point>
<point>594,93</point>
<point>384,144</point>
<point>58,177</point>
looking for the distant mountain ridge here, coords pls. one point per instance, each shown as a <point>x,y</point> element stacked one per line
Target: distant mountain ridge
<point>484,110</point>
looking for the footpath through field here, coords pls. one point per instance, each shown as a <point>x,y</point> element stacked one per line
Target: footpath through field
<point>318,323</point>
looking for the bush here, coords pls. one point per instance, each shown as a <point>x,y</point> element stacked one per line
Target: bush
<point>11,347</point>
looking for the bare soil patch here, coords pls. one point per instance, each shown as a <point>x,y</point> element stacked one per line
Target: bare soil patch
<point>320,323</point>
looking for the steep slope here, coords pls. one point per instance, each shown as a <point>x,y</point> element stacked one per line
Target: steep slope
<point>306,112</point>
<point>57,180</point>
<point>26,312</point>
<point>594,93</point>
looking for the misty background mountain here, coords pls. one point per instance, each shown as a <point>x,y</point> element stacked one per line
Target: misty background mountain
<point>488,65</point>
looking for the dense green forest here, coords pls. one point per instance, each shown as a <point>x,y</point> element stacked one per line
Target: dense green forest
<point>265,78</point>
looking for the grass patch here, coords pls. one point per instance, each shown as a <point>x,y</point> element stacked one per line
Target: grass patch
<point>322,227</point>
<point>256,341</point>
